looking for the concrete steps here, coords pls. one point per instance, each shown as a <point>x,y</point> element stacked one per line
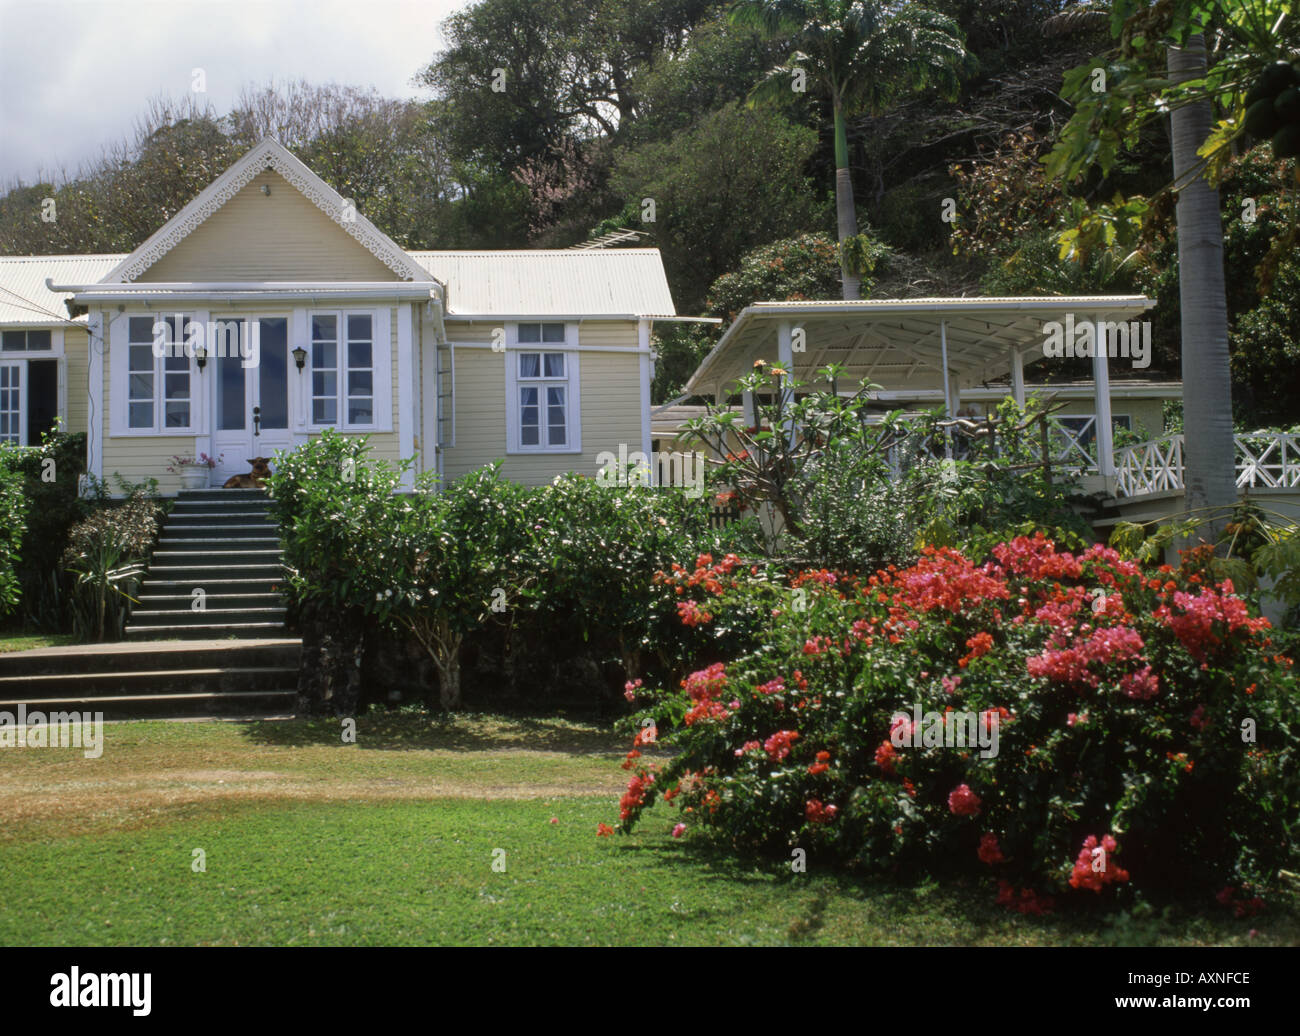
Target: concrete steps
<point>205,640</point>
<point>155,680</point>
<point>216,571</point>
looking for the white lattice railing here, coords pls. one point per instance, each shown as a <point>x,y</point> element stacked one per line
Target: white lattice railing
<point>1268,460</point>
<point>1150,467</point>
<point>1071,443</point>
<point>1265,460</point>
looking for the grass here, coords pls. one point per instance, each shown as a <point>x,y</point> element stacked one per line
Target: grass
<point>392,840</point>
<point>27,641</point>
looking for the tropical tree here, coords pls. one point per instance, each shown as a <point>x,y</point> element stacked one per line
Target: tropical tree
<point>1160,70</point>
<point>861,56</point>
<point>1209,456</point>
<point>728,184</point>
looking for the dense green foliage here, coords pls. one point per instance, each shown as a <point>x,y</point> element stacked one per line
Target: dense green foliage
<point>703,183</point>
<point>483,555</point>
<point>51,474</point>
<point>13,522</point>
<point>105,557</point>
<point>802,267</point>
<point>854,490</point>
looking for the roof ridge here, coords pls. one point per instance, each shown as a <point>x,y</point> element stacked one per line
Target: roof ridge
<point>529,251</point>
<point>67,255</point>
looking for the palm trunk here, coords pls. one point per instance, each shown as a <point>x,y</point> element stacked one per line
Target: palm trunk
<point>845,214</point>
<point>1208,457</point>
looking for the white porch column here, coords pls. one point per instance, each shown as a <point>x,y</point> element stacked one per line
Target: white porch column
<point>785,357</point>
<point>943,355</point>
<point>750,407</point>
<point>1101,389</point>
<point>405,392</point>
<point>97,344</point>
<point>948,408</point>
<point>1018,377</point>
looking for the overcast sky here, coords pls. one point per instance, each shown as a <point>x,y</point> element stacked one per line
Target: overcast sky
<point>74,74</point>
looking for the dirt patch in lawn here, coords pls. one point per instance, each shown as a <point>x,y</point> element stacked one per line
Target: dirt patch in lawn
<point>130,800</point>
<point>152,770</point>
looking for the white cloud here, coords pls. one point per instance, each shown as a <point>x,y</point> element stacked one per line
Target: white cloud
<point>75,74</point>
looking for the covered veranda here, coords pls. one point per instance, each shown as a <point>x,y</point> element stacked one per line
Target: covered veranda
<point>928,344</point>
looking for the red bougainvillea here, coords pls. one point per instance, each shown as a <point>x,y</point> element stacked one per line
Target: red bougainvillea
<point>1077,675</point>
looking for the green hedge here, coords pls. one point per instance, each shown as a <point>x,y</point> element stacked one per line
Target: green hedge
<point>13,522</point>
<point>486,561</point>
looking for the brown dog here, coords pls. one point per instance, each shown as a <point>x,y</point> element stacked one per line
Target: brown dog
<point>254,479</point>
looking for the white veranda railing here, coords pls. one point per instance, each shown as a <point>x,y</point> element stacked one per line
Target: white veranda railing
<point>1265,460</point>
<point>1072,446</point>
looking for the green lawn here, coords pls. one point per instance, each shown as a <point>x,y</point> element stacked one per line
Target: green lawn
<point>309,841</point>
<point>27,641</point>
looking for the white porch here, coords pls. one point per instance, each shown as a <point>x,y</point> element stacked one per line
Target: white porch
<point>948,345</point>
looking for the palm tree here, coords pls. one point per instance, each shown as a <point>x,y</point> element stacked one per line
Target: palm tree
<point>1209,457</point>
<point>862,55</point>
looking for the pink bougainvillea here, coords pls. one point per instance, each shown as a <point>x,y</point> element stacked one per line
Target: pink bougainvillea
<point>778,745</point>
<point>1095,870</point>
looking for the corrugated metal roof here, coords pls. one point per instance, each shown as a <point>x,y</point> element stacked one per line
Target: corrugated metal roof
<point>602,282</point>
<point>24,298</point>
<point>962,301</point>
<point>599,282</point>
<point>901,343</point>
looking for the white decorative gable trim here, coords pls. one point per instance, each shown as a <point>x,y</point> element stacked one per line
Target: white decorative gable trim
<point>267,154</point>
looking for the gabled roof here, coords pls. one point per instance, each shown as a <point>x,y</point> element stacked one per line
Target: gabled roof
<point>609,282</point>
<point>268,153</point>
<point>24,298</point>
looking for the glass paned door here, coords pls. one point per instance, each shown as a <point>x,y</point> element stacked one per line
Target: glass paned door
<point>251,403</point>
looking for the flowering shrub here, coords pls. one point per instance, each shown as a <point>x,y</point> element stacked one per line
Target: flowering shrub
<point>1145,724</point>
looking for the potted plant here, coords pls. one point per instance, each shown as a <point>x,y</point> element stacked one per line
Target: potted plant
<point>194,471</point>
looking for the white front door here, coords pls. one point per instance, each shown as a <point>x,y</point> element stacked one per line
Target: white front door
<point>250,403</point>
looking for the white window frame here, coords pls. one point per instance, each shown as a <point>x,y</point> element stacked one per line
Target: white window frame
<point>381,367</point>
<point>55,349</point>
<point>19,358</point>
<point>571,382</point>
<point>21,389</point>
<point>119,371</point>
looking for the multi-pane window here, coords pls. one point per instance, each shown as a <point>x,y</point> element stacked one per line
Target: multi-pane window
<point>39,340</point>
<point>542,386</point>
<point>324,369</point>
<point>543,400</point>
<point>343,369</point>
<point>11,403</point>
<point>531,334</point>
<point>360,387</point>
<point>159,385</point>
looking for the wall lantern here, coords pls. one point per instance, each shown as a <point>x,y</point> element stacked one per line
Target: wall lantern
<point>300,357</point>
<point>201,357</point>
